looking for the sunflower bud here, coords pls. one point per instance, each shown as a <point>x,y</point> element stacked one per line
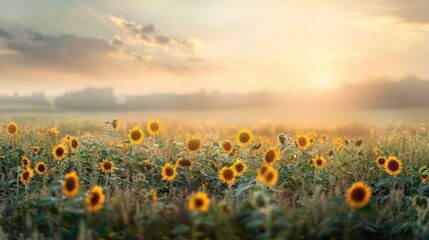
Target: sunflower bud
<point>282,138</point>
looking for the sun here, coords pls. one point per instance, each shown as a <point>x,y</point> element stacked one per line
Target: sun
<point>321,81</point>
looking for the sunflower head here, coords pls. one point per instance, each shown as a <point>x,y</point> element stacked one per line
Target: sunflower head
<point>302,141</point>
<point>36,150</point>
<point>271,155</point>
<point>270,176</point>
<point>26,176</point>
<point>116,123</point>
<point>25,162</point>
<point>227,146</point>
<point>199,202</point>
<point>338,141</point>
<point>168,172</point>
<point>319,162</point>
<point>423,178</point>
<point>59,152</point>
<point>376,151</point>
<point>261,172</point>
<point>41,168</point>
<point>244,137</point>
<point>240,167</point>
<point>74,143</point>
<point>227,175</point>
<point>70,184</point>
<point>154,127</point>
<point>194,145</point>
<point>381,161</point>
<point>95,199</point>
<point>107,166</point>
<point>423,169</point>
<point>393,165</point>
<point>358,194</point>
<point>184,163</point>
<point>12,129</point>
<point>136,135</point>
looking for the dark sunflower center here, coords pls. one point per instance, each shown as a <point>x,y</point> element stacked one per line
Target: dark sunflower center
<point>185,162</point>
<point>424,176</point>
<point>135,135</point>
<point>70,184</point>
<point>358,194</point>
<point>228,174</point>
<point>26,175</point>
<point>319,162</point>
<point>154,127</point>
<point>199,202</point>
<point>74,143</point>
<point>59,151</point>
<point>169,171</point>
<point>25,162</point>
<point>239,167</point>
<point>41,168</point>
<point>227,146</point>
<point>302,141</point>
<point>381,161</point>
<point>107,165</point>
<point>269,176</point>
<point>95,198</point>
<point>393,165</point>
<point>263,170</point>
<point>269,157</point>
<point>36,150</point>
<point>244,137</point>
<point>11,128</point>
<point>194,144</point>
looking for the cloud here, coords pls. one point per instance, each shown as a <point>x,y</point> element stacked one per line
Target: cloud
<point>5,34</point>
<point>149,36</point>
<point>68,53</point>
<point>117,41</point>
<point>132,27</point>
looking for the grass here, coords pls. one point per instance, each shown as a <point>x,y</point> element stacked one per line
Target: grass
<point>305,203</point>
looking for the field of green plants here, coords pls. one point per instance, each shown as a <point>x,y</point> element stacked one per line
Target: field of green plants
<point>160,180</point>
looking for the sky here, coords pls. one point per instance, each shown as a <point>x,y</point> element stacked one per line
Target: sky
<point>181,46</point>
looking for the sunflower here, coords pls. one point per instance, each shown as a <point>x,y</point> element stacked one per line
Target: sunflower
<point>302,141</point>
<point>36,150</point>
<point>26,176</point>
<point>27,129</point>
<point>271,155</point>
<point>194,145</point>
<point>25,162</point>
<point>244,137</point>
<point>12,129</point>
<point>154,127</point>
<point>376,151</point>
<point>184,163</point>
<point>74,143</point>
<point>65,140</point>
<point>227,175</point>
<point>59,151</point>
<point>95,199</point>
<point>270,176</point>
<point>107,166</point>
<point>148,168</point>
<point>227,146</point>
<point>71,184</point>
<point>358,194</point>
<point>240,167</point>
<point>380,161</point>
<point>338,141</point>
<point>256,147</point>
<point>168,172</point>
<point>199,202</point>
<point>310,163</point>
<point>339,148</point>
<point>40,168</point>
<point>136,135</point>
<point>393,165</point>
<point>261,172</point>
<point>423,169</point>
<point>116,123</point>
<point>319,162</point>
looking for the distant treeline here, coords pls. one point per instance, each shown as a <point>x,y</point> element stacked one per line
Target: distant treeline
<point>409,92</point>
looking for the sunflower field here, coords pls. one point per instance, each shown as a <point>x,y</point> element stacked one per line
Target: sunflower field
<point>157,180</point>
